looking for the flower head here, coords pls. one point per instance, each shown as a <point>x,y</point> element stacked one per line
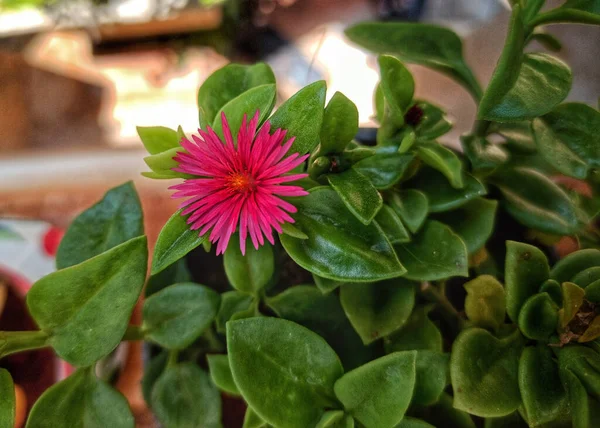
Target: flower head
<point>238,185</point>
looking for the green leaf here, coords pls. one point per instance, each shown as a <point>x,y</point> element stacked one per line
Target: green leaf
<point>526,270</point>
<point>411,206</point>
<point>81,401</point>
<point>220,372</point>
<point>252,420</point>
<point>514,420</point>
<point>584,363</point>
<point>573,297</point>
<point>179,314</point>
<point>442,159</point>
<point>379,103</point>
<point>152,371</point>
<point>566,138</point>
<point>378,309</point>
<point>436,252</point>
<point>434,123</point>
<point>173,274</point>
<point>536,201</point>
<point>113,220</point>
<point>175,240</point>
<point>484,373</point>
<point>473,222</point>
<point>543,394</point>
<point>157,139</point>
<point>339,246</point>
<point>543,82</point>
<point>575,11</point>
<point>425,44</point>
<point>260,98</point>
<point>379,393</point>
<point>162,165</point>
<point>397,84</point>
<point>325,285</point>
<point>482,154</point>
<point>584,409</point>
<point>358,194</point>
<point>232,302</point>
<point>385,168</point>
<point>335,419</point>
<point>227,83</point>
<point>302,116</point>
<point>587,276</point>
<point>440,194</point>
<point>340,124</point>
<point>538,317</point>
<point>419,332</point>
<point>443,414</point>
<point>184,396</point>
<point>568,267</point>
<point>284,371</point>
<point>547,40</point>
<point>408,422</point>
<point>249,273</point>
<point>392,226</point>
<point>432,377</point>
<point>485,302</point>
<point>8,402</point>
<point>322,314</point>
<point>86,308</point>
<point>553,289</point>
<point>293,231</point>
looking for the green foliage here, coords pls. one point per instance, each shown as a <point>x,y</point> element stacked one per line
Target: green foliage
<point>220,373</point>
<point>340,124</point>
<point>485,304</point>
<point>8,403</point>
<point>358,194</point>
<point>81,400</point>
<point>115,219</point>
<point>249,273</point>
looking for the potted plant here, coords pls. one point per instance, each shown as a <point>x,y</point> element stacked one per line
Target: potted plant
<point>397,285</point>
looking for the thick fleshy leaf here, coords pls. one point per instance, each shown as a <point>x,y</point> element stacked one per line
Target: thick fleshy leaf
<point>485,304</point>
<point>302,116</point>
<point>483,155</point>
<point>592,292</point>
<point>184,396</point>
<point>538,317</point>
<point>325,285</point>
<point>339,247</point>
<point>443,413</point>
<point>358,194</point>
<point>252,420</point>
<point>408,422</point>
<point>553,289</point>
<point>86,308</point>
<point>227,83</point>
<point>378,309</point>
<point>484,373</point>
<point>440,194</point>
<point>419,332</point>
<point>113,220</point>
<point>162,164</point>
<point>543,82</point>
<point>249,273</point>
<point>575,263</point>
<point>473,221</point>
<point>536,201</point>
<point>322,314</point>
<point>232,302</point>
<point>526,270</point>
<point>577,11</point>
<point>514,420</point>
<point>429,45</point>
<point>81,401</point>
<point>385,168</point>
<point>157,139</point>
<point>174,242</point>
<point>293,231</point>
<point>543,394</point>
<point>436,252</point>
<point>220,372</point>
<point>584,409</point>
<point>284,371</point>
<point>547,40</point>
<point>179,314</point>
<point>566,138</point>
<point>152,371</point>
<point>411,206</point>
<point>8,402</point>
<point>587,276</point>
<point>340,124</point>
<point>584,363</point>
<point>432,377</point>
<point>442,159</point>
<point>434,122</point>
<point>573,296</point>
<point>378,393</point>
<point>392,226</point>
<point>173,274</point>
<point>335,419</point>
<point>260,98</point>
<point>397,85</point>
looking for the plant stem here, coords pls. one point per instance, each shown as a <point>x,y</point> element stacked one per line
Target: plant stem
<point>18,341</point>
<point>447,310</point>
<point>134,332</point>
<point>481,128</point>
<point>173,358</point>
<point>213,340</point>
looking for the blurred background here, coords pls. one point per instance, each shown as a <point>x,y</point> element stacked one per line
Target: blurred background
<point>78,76</point>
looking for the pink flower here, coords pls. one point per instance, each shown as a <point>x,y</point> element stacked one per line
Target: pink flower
<point>238,185</point>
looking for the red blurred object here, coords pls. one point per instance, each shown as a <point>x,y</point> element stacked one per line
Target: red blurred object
<point>51,240</point>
